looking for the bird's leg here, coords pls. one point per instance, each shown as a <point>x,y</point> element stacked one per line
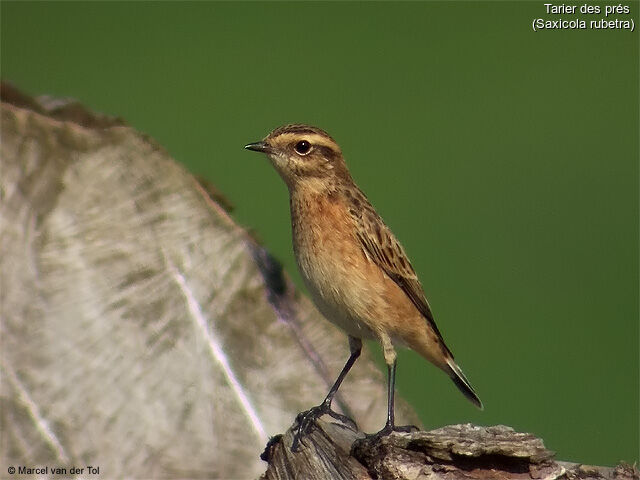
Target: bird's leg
<point>306,419</point>
<point>390,426</point>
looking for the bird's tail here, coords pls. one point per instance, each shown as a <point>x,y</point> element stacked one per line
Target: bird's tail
<point>462,383</point>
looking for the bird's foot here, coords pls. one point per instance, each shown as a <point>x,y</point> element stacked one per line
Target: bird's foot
<point>389,429</point>
<point>363,445</point>
<point>307,419</point>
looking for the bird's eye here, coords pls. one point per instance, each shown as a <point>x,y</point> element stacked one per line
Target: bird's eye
<point>303,147</point>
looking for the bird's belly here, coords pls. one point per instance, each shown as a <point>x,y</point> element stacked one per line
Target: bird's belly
<point>335,312</point>
<point>339,290</point>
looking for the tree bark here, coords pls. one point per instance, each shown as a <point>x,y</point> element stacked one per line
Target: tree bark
<point>458,452</point>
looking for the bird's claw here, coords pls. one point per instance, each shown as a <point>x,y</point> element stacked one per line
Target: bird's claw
<point>342,418</point>
<point>305,420</point>
<point>389,429</point>
<point>308,418</point>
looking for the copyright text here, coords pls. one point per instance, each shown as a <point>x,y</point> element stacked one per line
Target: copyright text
<point>53,470</point>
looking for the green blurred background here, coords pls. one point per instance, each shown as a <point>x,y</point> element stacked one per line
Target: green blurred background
<point>505,160</point>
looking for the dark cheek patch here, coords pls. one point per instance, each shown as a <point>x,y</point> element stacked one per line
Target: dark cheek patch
<point>310,165</point>
<point>327,152</point>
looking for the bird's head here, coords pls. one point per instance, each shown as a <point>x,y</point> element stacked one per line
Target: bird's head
<point>303,155</point>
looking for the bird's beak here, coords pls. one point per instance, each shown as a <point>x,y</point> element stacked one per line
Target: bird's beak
<point>263,147</point>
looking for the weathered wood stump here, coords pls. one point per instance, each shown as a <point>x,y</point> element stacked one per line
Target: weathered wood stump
<point>458,452</point>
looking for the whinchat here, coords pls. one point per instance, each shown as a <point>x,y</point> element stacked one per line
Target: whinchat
<point>357,273</point>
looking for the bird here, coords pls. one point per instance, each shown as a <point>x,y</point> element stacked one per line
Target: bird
<point>356,271</point>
